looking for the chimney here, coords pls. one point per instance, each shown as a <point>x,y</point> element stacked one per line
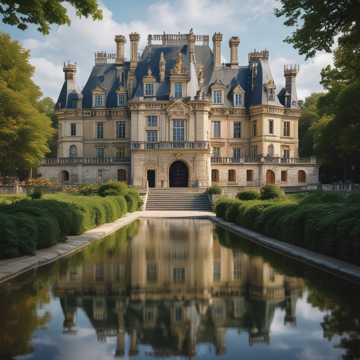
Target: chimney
<point>191,46</point>
<point>134,44</point>
<point>290,73</point>
<point>69,71</point>
<point>217,38</point>
<point>234,43</point>
<point>120,41</point>
<point>162,64</point>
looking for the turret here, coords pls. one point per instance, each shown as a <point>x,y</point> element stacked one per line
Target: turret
<point>69,71</point>
<point>217,38</point>
<point>290,73</point>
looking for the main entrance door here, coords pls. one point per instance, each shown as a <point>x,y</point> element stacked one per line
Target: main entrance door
<point>178,174</point>
<point>151,178</point>
<point>270,177</point>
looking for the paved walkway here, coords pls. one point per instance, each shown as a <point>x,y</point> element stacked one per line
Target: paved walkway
<point>11,268</point>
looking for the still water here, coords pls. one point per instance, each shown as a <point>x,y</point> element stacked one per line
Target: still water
<point>178,289</point>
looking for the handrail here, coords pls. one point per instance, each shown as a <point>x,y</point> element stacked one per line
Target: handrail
<point>85,160</point>
<point>168,145</point>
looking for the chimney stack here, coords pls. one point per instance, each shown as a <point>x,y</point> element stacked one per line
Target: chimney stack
<point>120,41</point>
<point>217,38</point>
<point>134,44</point>
<point>234,43</point>
<point>69,71</point>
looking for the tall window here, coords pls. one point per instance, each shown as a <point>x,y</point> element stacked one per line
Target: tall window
<point>178,130</point>
<point>73,129</point>
<point>237,129</point>
<point>100,152</point>
<point>214,175</point>
<point>254,129</point>
<point>100,130</point>
<point>73,151</point>
<point>121,152</point>
<point>249,175</point>
<point>99,100</point>
<point>236,153</point>
<point>283,176</point>
<point>216,130</point>
<point>253,151</point>
<point>152,120</point>
<point>120,129</point>
<point>286,153</point>
<point>217,97</point>
<point>286,128</point>
<point>217,271</point>
<point>231,175</point>
<point>178,90</point>
<point>216,151</point>
<point>151,272</point>
<point>151,136</point>
<point>237,99</point>
<point>179,275</point>
<point>271,126</point>
<point>121,175</point>
<point>271,150</point>
<point>149,89</point>
<point>121,99</point>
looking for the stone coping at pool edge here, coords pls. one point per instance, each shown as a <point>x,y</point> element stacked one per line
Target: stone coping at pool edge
<point>10,268</point>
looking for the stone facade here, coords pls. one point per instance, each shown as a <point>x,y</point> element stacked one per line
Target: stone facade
<point>176,116</point>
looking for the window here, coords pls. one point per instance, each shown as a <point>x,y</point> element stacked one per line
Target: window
<point>216,129</point>
<point>253,152</point>
<point>99,175</point>
<point>237,99</point>
<point>99,100</point>
<point>271,126</point>
<point>121,99</point>
<point>217,271</point>
<point>286,153</point>
<point>301,176</point>
<point>99,272</point>
<point>149,89</point>
<point>215,175</point>
<point>237,269</point>
<point>178,313</point>
<point>179,275</point>
<point>254,128</point>
<point>152,120</point>
<point>100,152</point>
<point>271,150</point>
<point>151,272</point>
<point>286,128</point>
<point>100,130</point>
<point>178,130</point>
<point>236,153</point>
<point>73,129</point>
<point>237,129</point>
<point>73,151</point>
<point>215,151</point>
<point>217,97</point>
<point>120,129</point>
<point>249,175</point>
<point>178,90</point>
<point>151,136</point>
<point>121,152</point>
<point>231,175</point>
<point>283,176</point>
<point>121,175</point>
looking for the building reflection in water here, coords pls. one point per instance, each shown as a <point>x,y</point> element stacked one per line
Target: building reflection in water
<point>174,286</point>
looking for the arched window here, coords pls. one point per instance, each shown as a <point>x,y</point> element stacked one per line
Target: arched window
<point>215,175</point>
<point>73,151</point>
<point>301,176</point>
<point>271,150</point>
<point>270,177</point>
<point>121,175</point>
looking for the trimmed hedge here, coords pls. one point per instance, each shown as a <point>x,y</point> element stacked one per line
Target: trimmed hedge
<point>214,190</point>
<point>331,228</point>
<point>268,192</point>
<point>248,195</point>
<point>28,225</point>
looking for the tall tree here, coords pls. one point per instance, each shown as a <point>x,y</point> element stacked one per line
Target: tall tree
<point>24,127</point>
<point>44,13</point>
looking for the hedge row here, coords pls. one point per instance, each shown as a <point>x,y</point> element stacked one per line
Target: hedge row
<point>28,225</point>
<point>331,228</point>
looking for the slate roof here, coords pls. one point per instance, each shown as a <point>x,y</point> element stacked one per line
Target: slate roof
<point>107,77</point>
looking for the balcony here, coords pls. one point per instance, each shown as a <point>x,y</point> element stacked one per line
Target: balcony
<point>85,161</point>
<point>262,159</point>
<point>171,145</point>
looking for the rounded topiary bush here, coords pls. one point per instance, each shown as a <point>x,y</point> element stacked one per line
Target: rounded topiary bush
<point>248,195</point>
<point>271,192</point>
<point>89,189</point>
<point>214,190</point>
<point>113,189</point>
<point>36,193</point>
<point>222,205</point>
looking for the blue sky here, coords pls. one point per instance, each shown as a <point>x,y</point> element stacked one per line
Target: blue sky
<point>252,20</point>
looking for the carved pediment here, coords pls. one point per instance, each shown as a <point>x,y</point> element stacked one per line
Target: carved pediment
<point>98,90</point>
<point>178,108</point>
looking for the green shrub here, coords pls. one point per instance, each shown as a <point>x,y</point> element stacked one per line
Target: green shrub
<point>214,190</point>
<point>113,188</point>
<point>248,195</point>
<point>36,193</point>
<point>271,192</point>
<point>232,211</point>
<point>89,189</point>
<point>222,205</point>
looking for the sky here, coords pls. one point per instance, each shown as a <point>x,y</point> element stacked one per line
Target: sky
<point>252,20</point>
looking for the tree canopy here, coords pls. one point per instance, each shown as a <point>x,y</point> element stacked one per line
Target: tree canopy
<point>25,129</point>
<point>44,13</point>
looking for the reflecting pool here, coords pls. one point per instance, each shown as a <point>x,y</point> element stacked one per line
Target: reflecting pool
<point>176,288</point>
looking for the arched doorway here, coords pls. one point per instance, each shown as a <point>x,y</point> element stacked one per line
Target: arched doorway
<point>270,177</point>
<point>178,174</point>
<point>301,176</point>
<point>64,177</point>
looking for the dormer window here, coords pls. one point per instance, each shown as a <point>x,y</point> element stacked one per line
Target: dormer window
<point>237,100</point>
<point>99,100</point>
<point>178,90</point>
<point>217,97</point>
<point>149,89</point>
<point>121,99</point>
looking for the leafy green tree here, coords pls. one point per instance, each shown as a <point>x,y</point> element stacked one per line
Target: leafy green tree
<point>44,13</point>
<point>24,127</point>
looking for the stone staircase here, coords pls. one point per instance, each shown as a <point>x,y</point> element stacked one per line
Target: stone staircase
<point>177,199</point>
